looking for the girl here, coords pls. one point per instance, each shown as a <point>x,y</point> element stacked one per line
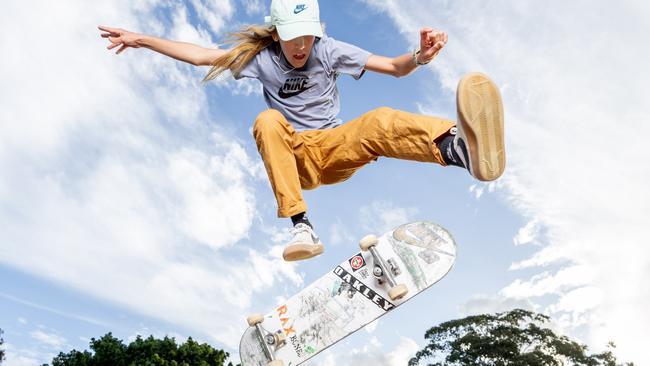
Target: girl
<point>302,142</point>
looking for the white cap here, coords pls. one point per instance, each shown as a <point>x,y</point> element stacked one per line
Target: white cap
<point>296,18</point>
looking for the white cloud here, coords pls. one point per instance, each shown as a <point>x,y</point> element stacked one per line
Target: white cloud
<point>23,357</point>
<point>50,340</point>
<point>14,359</point>
<point>339,234</point>
<point>381,216</point>
<point>372,326</point>
<point>477,190</point>
<point>547,282</point>
<point>373,353</point>
<point>576,119</point>
<point>254,7</point>
<point>214,12</point>
<point>51,310</point>
<point>527,234</point>
<point>115,180</point>
<point>404,351</point>
<point>484,304</point>
<point>579,300</point>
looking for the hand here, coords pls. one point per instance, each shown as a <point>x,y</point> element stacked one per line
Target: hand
<point>120,37</point>
<point>431,42</point>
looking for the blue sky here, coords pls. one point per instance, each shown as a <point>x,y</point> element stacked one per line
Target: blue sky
<point>133,200</point>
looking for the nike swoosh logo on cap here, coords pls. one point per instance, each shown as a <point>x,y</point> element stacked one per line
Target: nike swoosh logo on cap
<point>299,9</point>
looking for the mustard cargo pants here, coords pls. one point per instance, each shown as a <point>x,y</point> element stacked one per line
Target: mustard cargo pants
<point>307,159</point>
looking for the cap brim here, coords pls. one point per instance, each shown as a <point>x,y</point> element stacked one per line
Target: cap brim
<point>290,31</point>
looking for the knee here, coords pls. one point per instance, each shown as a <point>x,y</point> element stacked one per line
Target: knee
<point>381,117</point>
<point>382,111</point>
<point>383,114</point>
<point>270,121</point>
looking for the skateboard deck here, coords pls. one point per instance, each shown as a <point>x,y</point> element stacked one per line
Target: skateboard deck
<point>351,295</point>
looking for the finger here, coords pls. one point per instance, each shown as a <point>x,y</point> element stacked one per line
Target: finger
<point>108,29</point>
<point>438,34</point>
<point>424,34</point>
<point>439,46</point>
<point>426,30</point>
<point>113,45</point>
<point>426,43</point>
<point>434,50</point>
<point>437,42</point>
<point>112,32</point>
<point>124,47</point>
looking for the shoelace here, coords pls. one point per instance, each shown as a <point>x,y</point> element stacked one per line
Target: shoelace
<point>295,231</point>
<point>304,229</point>
<point>300,228</point>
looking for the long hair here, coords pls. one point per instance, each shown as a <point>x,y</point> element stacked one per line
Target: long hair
<point>249,41</point>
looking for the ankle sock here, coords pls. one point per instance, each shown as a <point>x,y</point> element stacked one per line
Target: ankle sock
<point>301,218</point>
<point>449,154</point>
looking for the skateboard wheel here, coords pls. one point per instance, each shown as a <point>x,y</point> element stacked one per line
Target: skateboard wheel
<point>398,292</point>
<point>255,319</point>
<point>275,363</point>
<point>279,338</point>
<point>367,242</point>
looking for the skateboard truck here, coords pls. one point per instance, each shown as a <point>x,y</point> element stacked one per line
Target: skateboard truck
<point>267,339</point>
<point>384,269</point>
<point>379,273</point>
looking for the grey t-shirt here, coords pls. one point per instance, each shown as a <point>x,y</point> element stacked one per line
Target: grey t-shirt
<point>307,97</point>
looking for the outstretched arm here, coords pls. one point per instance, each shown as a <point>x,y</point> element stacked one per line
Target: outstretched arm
<point>431,42</point>
<point>182,51</point>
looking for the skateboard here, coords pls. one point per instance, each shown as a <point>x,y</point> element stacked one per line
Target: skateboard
<point>388,271</point>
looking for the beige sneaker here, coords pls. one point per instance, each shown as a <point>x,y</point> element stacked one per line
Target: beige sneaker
<point>480,139</point>
<point>304,245</point>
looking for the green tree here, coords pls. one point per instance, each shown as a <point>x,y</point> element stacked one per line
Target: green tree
<point>2,352</point>
<point>110,351</point>
<point>515,338</point>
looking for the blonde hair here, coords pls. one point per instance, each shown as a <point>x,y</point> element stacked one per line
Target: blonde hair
<point>249,41</point>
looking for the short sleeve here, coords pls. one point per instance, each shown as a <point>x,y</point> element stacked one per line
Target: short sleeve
<point>345,58</point>
<point>251,69</point>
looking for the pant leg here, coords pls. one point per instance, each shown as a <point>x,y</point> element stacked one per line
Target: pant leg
<point>277,143</point>
<point>382,132</point>
<point>305,160</point>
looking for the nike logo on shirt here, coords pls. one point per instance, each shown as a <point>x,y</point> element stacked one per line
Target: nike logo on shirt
<point>293,87</point>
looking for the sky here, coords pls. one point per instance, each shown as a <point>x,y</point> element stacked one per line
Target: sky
<point>133,200</point>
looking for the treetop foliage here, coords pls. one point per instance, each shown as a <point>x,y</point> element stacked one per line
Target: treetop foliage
<point>110,351</point>
<point>517,338</point>
<point>2,352</point>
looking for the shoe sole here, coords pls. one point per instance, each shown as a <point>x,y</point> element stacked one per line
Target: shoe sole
<point>480,114</point>
<point>298,252</point>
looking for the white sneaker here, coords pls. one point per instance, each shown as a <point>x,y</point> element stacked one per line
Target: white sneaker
<point>480,140</point>
<point>304,245</point>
